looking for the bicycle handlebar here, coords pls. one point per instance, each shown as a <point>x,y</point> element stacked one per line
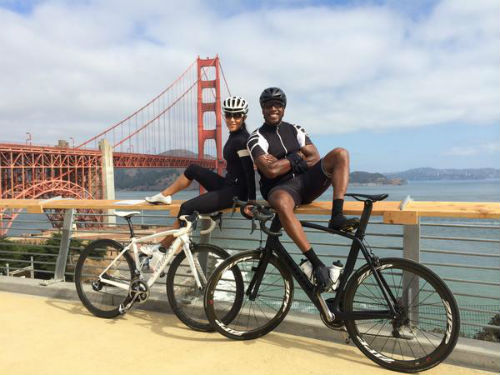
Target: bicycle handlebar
<point>192,221</point>
<point>260,213</point>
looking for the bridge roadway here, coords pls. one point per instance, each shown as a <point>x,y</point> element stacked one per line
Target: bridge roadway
<point>41,335</point>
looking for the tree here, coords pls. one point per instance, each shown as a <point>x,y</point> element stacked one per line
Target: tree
<point>490,334</point>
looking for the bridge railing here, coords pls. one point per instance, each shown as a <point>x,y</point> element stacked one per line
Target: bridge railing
<point>459,241</point>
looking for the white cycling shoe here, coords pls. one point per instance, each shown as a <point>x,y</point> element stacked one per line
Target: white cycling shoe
<point>149,249</point>
<point>159,199</point>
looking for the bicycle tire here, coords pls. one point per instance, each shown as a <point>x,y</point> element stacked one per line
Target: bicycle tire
<point>100,299</point>
<point>261,315</point>
<point>186,301</point>
<point>428,328</point>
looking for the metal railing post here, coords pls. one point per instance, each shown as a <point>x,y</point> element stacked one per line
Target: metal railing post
<point>411,250</point>
<point>62,257</point>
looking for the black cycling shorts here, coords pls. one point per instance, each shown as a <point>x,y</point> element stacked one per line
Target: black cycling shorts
<point>306,187</point>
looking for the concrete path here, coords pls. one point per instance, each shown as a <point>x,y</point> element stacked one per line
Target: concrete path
<point>39,335</point>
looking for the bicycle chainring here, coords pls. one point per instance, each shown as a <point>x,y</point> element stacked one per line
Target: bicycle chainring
<point>139,291</point>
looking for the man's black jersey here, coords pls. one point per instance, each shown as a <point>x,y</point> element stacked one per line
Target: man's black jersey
<point>239,165</point>
<point>279,141</point>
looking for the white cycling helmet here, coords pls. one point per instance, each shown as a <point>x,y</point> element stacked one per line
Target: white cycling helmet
<point>235,104</point>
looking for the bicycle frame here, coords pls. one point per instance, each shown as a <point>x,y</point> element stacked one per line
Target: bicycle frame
<point>182,240</point>
<point>274,245</point>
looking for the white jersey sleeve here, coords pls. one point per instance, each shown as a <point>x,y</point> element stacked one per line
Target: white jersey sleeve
<point>257,145</point>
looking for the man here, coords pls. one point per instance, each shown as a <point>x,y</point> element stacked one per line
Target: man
<point>292,173</point>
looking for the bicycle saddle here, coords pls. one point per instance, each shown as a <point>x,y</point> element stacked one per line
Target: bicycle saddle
<point>373,198</point>
<point>126,214</point>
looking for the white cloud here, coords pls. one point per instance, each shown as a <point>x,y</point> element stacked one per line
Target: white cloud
<point>83,67</point>
<point>471,150</point>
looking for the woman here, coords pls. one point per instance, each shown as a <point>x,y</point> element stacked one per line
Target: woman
<point>239,180</point>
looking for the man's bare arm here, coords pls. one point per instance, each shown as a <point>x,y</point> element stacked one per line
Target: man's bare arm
<point>310,154</point>
<point>272,167</point>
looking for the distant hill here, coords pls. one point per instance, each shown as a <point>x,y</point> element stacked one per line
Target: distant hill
<point>184,154</point>
<point>359,177</point>
<point>153,179</point>
<point>430,174</point>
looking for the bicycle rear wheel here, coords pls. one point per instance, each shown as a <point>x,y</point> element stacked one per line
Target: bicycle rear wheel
<point>101,299</point>
<point>250,318</point>
<point>428,323</point>
<point>185,299</point>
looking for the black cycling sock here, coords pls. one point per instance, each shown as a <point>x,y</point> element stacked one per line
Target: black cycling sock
<point>313,258</point>
<point>337,207</point>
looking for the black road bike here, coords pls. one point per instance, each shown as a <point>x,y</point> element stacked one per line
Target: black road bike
<point>399,313</point>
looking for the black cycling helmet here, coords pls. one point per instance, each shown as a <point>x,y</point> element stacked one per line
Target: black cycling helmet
<point>272,94</point>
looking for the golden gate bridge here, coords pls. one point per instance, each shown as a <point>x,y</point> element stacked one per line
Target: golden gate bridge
<point>186,116</point>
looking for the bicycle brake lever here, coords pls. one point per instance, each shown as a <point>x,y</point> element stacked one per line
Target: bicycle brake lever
<point>254,226</point>
<point>233,209</point>
<point>219,218</point>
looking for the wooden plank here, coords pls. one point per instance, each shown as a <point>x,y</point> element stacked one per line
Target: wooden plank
<point>31,205</point>
<point>400,217</point>
<point>471,210</point>
<point>350,208</point>
<point>389,210</point>
<point>99,204</point>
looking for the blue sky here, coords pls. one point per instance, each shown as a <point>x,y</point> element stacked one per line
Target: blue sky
<point>400,84</point>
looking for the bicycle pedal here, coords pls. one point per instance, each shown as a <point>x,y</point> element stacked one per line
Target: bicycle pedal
<point>162,274</point>
<point>122,309</point>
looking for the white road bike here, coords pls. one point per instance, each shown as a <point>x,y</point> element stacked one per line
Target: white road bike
<point>110,278</point>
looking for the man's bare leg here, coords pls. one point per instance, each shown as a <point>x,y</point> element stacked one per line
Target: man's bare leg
<point>284,204</point>
<point>336,163</point>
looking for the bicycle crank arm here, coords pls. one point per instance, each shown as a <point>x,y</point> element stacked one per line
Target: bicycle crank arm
<point>328,315</point>
<point>114,283</point>
<point>124,308</point>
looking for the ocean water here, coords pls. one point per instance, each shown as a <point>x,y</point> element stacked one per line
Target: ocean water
<point>449,191</point>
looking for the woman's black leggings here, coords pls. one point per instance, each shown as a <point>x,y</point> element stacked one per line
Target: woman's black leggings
<point>219,194</point>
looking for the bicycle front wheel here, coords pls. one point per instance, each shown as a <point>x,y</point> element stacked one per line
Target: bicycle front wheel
<point>100,298</point>
<point>231,308</point>
<point>427,325</point>
<point>184,296</point>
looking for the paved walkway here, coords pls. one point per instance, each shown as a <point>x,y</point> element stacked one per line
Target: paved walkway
<point>39,335</point>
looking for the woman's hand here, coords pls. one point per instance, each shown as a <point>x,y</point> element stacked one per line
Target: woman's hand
<point>248,207</point>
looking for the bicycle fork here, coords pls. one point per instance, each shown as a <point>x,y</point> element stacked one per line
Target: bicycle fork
<point>253,287</point>
<point>195,265</point>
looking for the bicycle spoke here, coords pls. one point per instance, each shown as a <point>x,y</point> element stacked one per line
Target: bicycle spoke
<point>255,317</point>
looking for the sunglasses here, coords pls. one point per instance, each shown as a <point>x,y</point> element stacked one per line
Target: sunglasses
<point>233,115</point>
<point>275,104</point>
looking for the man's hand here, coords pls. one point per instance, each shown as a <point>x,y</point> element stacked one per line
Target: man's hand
<point>297,162</point>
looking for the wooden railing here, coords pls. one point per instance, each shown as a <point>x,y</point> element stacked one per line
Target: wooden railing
<point>392,212</point>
